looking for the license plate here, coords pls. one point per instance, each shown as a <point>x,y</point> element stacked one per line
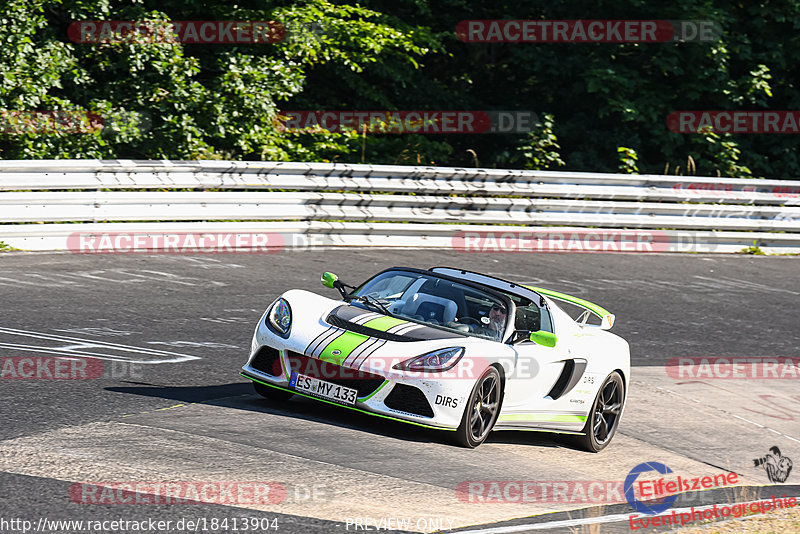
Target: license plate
<point>323,389</point>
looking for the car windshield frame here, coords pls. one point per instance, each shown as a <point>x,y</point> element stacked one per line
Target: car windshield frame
<point>404,298</point>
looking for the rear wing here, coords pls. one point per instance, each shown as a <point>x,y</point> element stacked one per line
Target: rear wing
<point>606,317</point>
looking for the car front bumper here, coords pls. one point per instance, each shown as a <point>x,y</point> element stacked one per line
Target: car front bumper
<point>399,395</point>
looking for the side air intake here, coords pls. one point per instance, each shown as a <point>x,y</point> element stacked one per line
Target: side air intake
<point>570,374</point>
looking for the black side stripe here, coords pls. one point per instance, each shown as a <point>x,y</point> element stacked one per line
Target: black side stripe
<point>353,356</point>
<point>316,339</point>
<point>314,345</point>
<point>364,355</point>
<point>326,342</point>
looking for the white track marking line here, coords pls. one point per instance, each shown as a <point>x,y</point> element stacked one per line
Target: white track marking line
<point>749,421</point>
<point>74,344</point>
<point>728,413</point>
<point>81,355</point>
<point>56,337</point>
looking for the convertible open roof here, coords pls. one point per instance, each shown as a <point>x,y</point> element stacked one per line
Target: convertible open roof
<point>490,281</point>
<point>531,292</point>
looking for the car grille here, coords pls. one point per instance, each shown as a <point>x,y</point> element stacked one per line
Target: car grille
<point>268,361</point>
<point>408,399</point>
<point>363,382</point>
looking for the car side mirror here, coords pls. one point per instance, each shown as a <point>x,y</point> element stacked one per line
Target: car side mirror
<point>546,339</point>
<point>332,281</point>
<point>329,280</point>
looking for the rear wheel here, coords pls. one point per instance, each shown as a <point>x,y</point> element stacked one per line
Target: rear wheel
<point>604,417</point>
<point>273,394</point>
<point>481,410</point>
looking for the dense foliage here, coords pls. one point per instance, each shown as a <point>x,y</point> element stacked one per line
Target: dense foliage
<point>602,106</point>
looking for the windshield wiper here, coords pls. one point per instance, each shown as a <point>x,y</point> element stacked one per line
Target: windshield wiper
<point>375,304</point>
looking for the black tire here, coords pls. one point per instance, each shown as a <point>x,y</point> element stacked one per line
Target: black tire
<point>603,420</point>
<point>273,394</point>
<point>481,411</point>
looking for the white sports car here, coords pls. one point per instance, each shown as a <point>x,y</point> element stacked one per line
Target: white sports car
<point>448,349</point>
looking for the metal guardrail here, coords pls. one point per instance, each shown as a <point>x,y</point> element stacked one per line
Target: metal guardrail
<point>317,204</point>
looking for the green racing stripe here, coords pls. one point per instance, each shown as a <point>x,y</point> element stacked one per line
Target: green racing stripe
<point>341,347</point>
<point>541,418</point>
<point>344,344</point>
<point>385,323</point>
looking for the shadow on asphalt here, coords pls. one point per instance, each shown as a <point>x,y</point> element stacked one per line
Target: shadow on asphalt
<point>241,396</point>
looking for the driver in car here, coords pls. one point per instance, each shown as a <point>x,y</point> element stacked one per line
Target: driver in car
<point>495,324</point>
<point>497,319</point>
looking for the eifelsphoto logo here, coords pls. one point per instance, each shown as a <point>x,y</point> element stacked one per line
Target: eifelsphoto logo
<point>777,466</point>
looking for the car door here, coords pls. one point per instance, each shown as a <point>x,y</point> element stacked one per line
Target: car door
<point>533,368</point>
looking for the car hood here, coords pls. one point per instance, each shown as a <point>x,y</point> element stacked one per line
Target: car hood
<point>378,325</point>
<point>350,336</point>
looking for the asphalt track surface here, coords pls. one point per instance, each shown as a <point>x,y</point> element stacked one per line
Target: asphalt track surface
<point>173,331</point>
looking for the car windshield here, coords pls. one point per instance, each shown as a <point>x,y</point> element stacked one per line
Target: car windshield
<point>437,302</point>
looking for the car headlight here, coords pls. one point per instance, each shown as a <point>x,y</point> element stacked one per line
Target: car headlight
<point>438,360</point>
<point>280,316</point>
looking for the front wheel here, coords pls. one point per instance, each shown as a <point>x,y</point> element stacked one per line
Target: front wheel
<point>604,417</point>
<point>273,394</point>
<point>481,410</point>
